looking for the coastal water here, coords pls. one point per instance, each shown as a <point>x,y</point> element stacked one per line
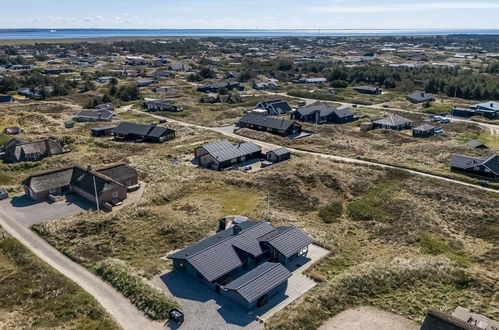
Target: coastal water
<point>110,33</point>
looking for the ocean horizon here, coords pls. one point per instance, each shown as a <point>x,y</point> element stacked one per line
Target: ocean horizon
<point>19,34</point>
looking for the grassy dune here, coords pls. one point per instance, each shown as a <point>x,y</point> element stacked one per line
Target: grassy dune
<point>33,295</point>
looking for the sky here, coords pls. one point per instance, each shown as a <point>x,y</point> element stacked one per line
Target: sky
<point>252,14</point>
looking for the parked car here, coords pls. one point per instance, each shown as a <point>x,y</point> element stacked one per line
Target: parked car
<point>302,104</point>
<point>162,121</point>
<point>4,194</point>
<point>484,183</point>
<point>445,120</point>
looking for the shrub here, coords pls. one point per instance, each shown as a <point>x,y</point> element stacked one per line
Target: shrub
<point>430,244</point>
<point>331,212</point>
<point>148,299</point>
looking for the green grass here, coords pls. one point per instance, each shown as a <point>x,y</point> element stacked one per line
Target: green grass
<point>33,295</point>
<point>230,199</point>
<point>363,284</point>
<point>438,108</point>
<point>4,138</point>
<point>332,212</point>
<point>485,137</point>
<point>376,205</point>
<point>148,299</point>
<point>430,244</point>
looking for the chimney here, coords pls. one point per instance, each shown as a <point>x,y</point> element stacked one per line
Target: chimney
<point>48,152</point>
<point>222,224</point>
<point>236,230</point>
<point>422,94</point>
<point>491,105</point>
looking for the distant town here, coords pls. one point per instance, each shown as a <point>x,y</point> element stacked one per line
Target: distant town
<point>231,182</point>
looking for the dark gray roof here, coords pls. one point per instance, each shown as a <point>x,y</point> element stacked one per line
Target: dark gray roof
<point>464,161</point>
<point>475,144</point>
<point>105,106</point>
<point>365,88</point>
<point>142,130</point>
<point>162,103</point>
<point>119,172</point>
<point>324,109</point>
<point>424,127</point>
<point>216,256</point>
<point>223,150</point>
<point>420,97</point>
<point>102,114</point>
<point>103,128</point>
<point>289,240</point>
<point>84,180</point>
<point>176,66</point>
<point>281,151</point>
<point>49,180</point>
<point>439,320</point>
<point>76,176</point>
<point>492,163</point>
<point>266,121</point>
<point>274,104</point>
<point>259,281</point>
<point>392,120</point>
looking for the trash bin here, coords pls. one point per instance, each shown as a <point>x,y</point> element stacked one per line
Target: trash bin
<point>176,316</point>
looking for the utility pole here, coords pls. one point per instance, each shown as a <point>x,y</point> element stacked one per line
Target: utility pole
<point>96,197</point>
<point>268,204</point>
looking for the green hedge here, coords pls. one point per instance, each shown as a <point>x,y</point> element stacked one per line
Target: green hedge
<point>148,299</point>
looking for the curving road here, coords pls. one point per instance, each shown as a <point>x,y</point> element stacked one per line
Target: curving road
<point>117,305</point>
<point>229,131</point>
<point>494,129</point>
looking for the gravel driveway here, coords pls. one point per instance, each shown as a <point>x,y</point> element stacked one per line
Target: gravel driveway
<point>29,212</point>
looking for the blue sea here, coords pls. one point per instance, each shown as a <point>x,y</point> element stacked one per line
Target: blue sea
<point>109,33</point>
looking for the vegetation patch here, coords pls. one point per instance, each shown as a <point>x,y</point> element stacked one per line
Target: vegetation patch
<point>33,295</point>
<point>359,285</point>
<point>332,212</point>
<point>376,204</point>
<point>430,244</point>
<point>148,299</point>
<point>438,108</point>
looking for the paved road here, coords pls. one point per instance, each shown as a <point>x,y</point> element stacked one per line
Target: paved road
<point>119,307</point>
<point>229,131</point>
<point>494,129</point>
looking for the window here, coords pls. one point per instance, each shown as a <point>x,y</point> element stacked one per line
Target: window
<point>115,194</point>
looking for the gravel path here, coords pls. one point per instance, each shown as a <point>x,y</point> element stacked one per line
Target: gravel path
<point>368,318</point>
<point>118,306</point>
<point>228,131</point>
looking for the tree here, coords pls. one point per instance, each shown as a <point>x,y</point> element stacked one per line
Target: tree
<point>128,92</point>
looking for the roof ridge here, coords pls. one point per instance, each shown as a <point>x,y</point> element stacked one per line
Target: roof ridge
<point>226,239</point>
<point>274,265</point>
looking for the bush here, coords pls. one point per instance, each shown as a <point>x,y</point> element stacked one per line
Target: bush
<point>339,84</point>
<point>430,244</point>
<point>331,212</point>
<point>148,299</point>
